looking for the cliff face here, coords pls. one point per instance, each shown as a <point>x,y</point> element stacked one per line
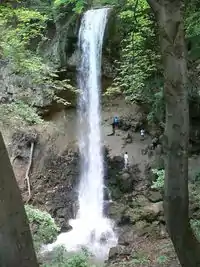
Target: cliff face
<point>43,59</point>
<point>57,50</point>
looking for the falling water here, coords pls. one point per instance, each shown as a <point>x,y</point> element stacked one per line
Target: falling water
<point>91,228</point>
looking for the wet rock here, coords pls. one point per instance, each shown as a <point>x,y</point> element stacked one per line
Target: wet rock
<point>124,215</point>
<point>116,211</point>
<point>124,220</point>
<point>127,236</point>
<point>64,225</point>
<point>125,176</point>
<point>154,196</point>
<point>60,213</point>
<point>119,251</point>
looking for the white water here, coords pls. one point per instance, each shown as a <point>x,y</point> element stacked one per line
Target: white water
<point>90,228</point>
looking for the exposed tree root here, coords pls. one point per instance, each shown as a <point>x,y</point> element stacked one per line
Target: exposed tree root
<point>28,171</point>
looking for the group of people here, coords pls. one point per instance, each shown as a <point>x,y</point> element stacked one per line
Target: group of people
<point>115,125</point>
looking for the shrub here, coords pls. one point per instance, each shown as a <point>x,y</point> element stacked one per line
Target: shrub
<point>43,227</point>
<point>159,183</point>
<point>195,224</point>
<point>60,258</point>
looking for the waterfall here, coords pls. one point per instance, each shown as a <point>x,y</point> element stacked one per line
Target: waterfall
<point>91,185</point>
<point>91,229</point>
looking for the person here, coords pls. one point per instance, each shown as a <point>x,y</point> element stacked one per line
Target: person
<point>116,121</point>
<point>155,142</point>
<point>125,160</point>
<point>142,134</point>
<point>115,124</point>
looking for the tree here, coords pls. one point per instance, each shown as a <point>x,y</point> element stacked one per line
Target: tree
<point>169,15</point>
<point>16,246</point>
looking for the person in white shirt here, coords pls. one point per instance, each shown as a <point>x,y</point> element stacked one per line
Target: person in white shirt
<point>142,134</point>
<point>125,160</point>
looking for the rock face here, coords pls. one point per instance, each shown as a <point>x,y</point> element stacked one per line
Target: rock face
<point>59,179</point>
<point>56,48</point>
<point>125,215</point>
<point>119,180</point>
<point>54,177</point>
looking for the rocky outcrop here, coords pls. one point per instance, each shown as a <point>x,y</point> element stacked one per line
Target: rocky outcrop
<point>125,215</point>
<point>118,179</point>
<point>54,177</point>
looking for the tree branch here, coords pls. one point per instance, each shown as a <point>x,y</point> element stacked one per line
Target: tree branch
<point>28,170</point>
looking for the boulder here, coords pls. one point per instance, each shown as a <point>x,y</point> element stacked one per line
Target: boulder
<point>116,210</point>
<point>127,236</point>
<point>141,228</point>
<point>152,211</point>
<point>123,214</point>
<point>122,251</point>
<point>126,182</point>
<point>154,196</point>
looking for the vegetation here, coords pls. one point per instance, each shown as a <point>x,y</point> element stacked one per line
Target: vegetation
<point>159,182</point>
<point>19,111</point>
<point>150,73</point>
<point>63,259</point>
<point>19,27</point>
<point>78,5</point>
<point>43,227</point>
<point>22,31</point>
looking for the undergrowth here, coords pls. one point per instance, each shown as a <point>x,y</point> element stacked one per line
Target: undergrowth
<point>43,227</point>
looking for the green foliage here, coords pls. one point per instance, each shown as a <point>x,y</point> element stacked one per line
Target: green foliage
<point>157,104</point>
<point>138,68</point>
<point>139,261</point>
<point>43,227</point>
<point>19,27</point>
<point>78,5</point>
<point>21,31</point>
<point>159,183</point>
<point>196,176</point>
<point>162,259</point>
<point>192,19</point>
<point>195,224</point>
<point>20,111</point>
<point>193,25</point>
<point>63,259</point>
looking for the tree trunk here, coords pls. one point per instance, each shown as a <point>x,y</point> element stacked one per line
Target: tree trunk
<point>170,20</point>
<point>16,246</point>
